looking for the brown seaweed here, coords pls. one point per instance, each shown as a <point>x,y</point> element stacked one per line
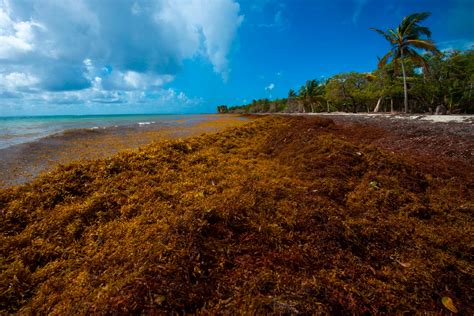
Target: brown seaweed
<point>283,215</point>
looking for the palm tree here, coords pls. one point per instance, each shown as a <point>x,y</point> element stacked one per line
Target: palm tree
<point>404,41</point>
<point>291,94</point>
<point>309,94</point>
<point>309,89</point>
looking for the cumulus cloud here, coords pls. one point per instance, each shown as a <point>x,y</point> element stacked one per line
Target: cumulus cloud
<point>214,22</point>
<point>16,37</point>
<point>17,80</point>
<point>166,100</point>
<point>87,46</point>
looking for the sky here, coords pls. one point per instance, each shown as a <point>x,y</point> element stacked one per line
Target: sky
<point>76,57</point>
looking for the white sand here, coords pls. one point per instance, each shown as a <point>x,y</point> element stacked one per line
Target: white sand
<point>469,119</point>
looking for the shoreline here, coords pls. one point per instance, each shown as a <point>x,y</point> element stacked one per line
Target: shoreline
<point>22,162</point>
<point>61,125</point>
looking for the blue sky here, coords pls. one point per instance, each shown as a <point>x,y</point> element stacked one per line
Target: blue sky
<point>187,56</point>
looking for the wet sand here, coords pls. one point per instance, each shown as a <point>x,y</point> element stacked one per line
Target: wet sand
<point>21,163</point>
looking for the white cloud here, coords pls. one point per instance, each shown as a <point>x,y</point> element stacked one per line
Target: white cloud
<point>87,102</point>
<point>81,47</point>
<point>132,80</point>
<point>15,80</point>
<point>215,22</point>
<point>15,37</point>
<point>270,87</point>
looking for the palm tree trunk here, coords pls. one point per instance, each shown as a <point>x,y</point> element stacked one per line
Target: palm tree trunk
<point>405,88</point>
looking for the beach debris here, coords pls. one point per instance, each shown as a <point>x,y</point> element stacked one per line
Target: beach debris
<point>374,184</point>
<point>448,303</point>
<point>159,299</point>
<point>404,264</point>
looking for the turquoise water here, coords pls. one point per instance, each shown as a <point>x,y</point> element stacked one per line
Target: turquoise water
<point>17,130</point>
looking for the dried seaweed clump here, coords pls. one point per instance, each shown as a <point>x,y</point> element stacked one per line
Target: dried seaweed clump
<point>283,215</point>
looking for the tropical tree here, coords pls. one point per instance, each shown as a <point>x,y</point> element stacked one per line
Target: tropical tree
<point>292,103</point>
<point>311,95</point>
<point>291,94</point>
<point>347,91</point>
<point>404,41</point>
<point>222,109</point>
<point>450,81</point>
<point>384,86</point>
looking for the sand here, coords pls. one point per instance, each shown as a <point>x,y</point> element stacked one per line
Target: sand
<point>469,119</point>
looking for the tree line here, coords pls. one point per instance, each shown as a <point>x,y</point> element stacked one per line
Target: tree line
<point>414,76</point>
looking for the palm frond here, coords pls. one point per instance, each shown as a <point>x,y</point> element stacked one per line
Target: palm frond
<point>417,58</point>
<point>423,30</point>
<point>426,45</point>
<point>416,32</point>
<point>408,27</point>
<point>395,35</point>
<point>405,23</point>
<point>384,59</point>
<point>418,17</point>
<point>388,37</point>
<point>422,44</point>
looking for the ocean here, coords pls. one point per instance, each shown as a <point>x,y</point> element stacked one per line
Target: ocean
<point>22,129</point>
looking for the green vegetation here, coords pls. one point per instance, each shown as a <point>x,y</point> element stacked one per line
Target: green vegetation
<point>404,41</point>
<point>284,215</point>
<point>222,109</point>
<point>436,82</point>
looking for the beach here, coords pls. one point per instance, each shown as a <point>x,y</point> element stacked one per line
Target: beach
<point>278,214</point>
<point>445,136</point>
<point>22,162</point>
